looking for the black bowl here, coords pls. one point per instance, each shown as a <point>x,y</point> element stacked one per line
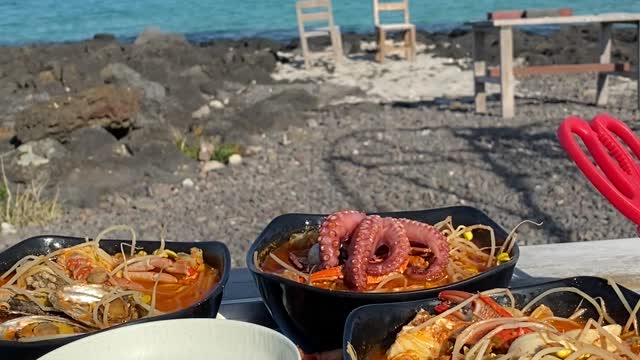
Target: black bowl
<point>314,318</point>
<point>215,254</point>
<point>371,326</point>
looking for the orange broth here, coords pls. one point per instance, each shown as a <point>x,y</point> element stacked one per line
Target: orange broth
<point>174,297</point>
<point>282,252</point>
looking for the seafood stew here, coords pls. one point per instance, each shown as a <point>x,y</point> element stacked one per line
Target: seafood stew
<point>574,318</point>
<point>310,315</point>
<point>353,251</point>
<point>61,288</point>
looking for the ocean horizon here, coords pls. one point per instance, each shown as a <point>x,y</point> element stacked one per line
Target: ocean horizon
<point>36,21</point>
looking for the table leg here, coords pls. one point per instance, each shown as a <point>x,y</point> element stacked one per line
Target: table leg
<point>506,72</point>
<point>479,70</point>
<point>381,36</point>
<point>602,93</point>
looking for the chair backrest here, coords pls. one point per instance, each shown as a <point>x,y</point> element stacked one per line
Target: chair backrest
<point>379,7</point>
<point>315,16</point>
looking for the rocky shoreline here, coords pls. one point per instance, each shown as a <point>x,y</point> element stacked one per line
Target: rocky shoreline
<point>216,139</point>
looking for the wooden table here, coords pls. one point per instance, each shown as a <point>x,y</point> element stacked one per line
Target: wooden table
<point>506,73</point>
<point>617,259</point>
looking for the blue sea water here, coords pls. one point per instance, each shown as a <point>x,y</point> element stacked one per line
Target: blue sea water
<point>28,21</point>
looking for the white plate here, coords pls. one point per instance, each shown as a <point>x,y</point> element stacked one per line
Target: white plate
<point>181,339</point>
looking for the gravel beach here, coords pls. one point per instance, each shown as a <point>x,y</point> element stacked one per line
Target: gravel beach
<point>383,156</point>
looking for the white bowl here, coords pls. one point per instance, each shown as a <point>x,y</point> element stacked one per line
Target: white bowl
<point>192,338</point>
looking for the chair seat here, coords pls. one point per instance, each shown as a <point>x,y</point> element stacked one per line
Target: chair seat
<point>391,27</point>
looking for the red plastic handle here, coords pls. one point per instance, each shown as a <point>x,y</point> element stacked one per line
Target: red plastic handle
<point>617,176</point>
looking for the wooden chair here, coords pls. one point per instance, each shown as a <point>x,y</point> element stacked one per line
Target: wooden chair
<point>331,30</point>
<point>384,49</point>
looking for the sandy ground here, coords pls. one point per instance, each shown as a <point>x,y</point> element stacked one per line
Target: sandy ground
<point>427,78</point>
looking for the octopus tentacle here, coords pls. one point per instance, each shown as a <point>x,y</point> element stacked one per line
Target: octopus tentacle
<point>366,235</point>
<point>395,238</point>
<point>427,235</point>
<point>335,229</point>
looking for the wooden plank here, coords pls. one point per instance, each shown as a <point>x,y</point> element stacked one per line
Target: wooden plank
<point>316,16</point>
<point>558,69</point>
<point>505,14</point>
<point>307,4</point>
<point>538,13</point>
<point>303,39</point>
<point>507,83</point>
<point>557,20</point>
<point>396,6</point>
<point>616,259</point>
<point>479,70</point>
<point>336,44</point>
<point>602,93</point>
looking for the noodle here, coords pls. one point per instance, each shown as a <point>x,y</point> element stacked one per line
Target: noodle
<point>116,228</point>
<point>633,319</point>
<point>616,289</point>
<point>290,268</point>
<point>450,311</point>
<point>507,246</point>
<point>573,290</point>
<point>390,277</point>
<point>468,332</point>
<point>154,292</point>
<point>18,264</point>
<point>615,342</point>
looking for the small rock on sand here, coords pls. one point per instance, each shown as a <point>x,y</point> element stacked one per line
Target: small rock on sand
<point>216,104</point>
<point>202,112</point>
<point>206,150</point>
<point>212,166</point>
<point>235,159</point>
<point>187,183</point>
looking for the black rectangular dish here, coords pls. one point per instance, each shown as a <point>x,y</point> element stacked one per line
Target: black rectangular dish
<point>372,326</point>
<point>215,254</point>
<point>314,317</point>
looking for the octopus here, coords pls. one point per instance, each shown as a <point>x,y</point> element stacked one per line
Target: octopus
<point>367,234</point>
